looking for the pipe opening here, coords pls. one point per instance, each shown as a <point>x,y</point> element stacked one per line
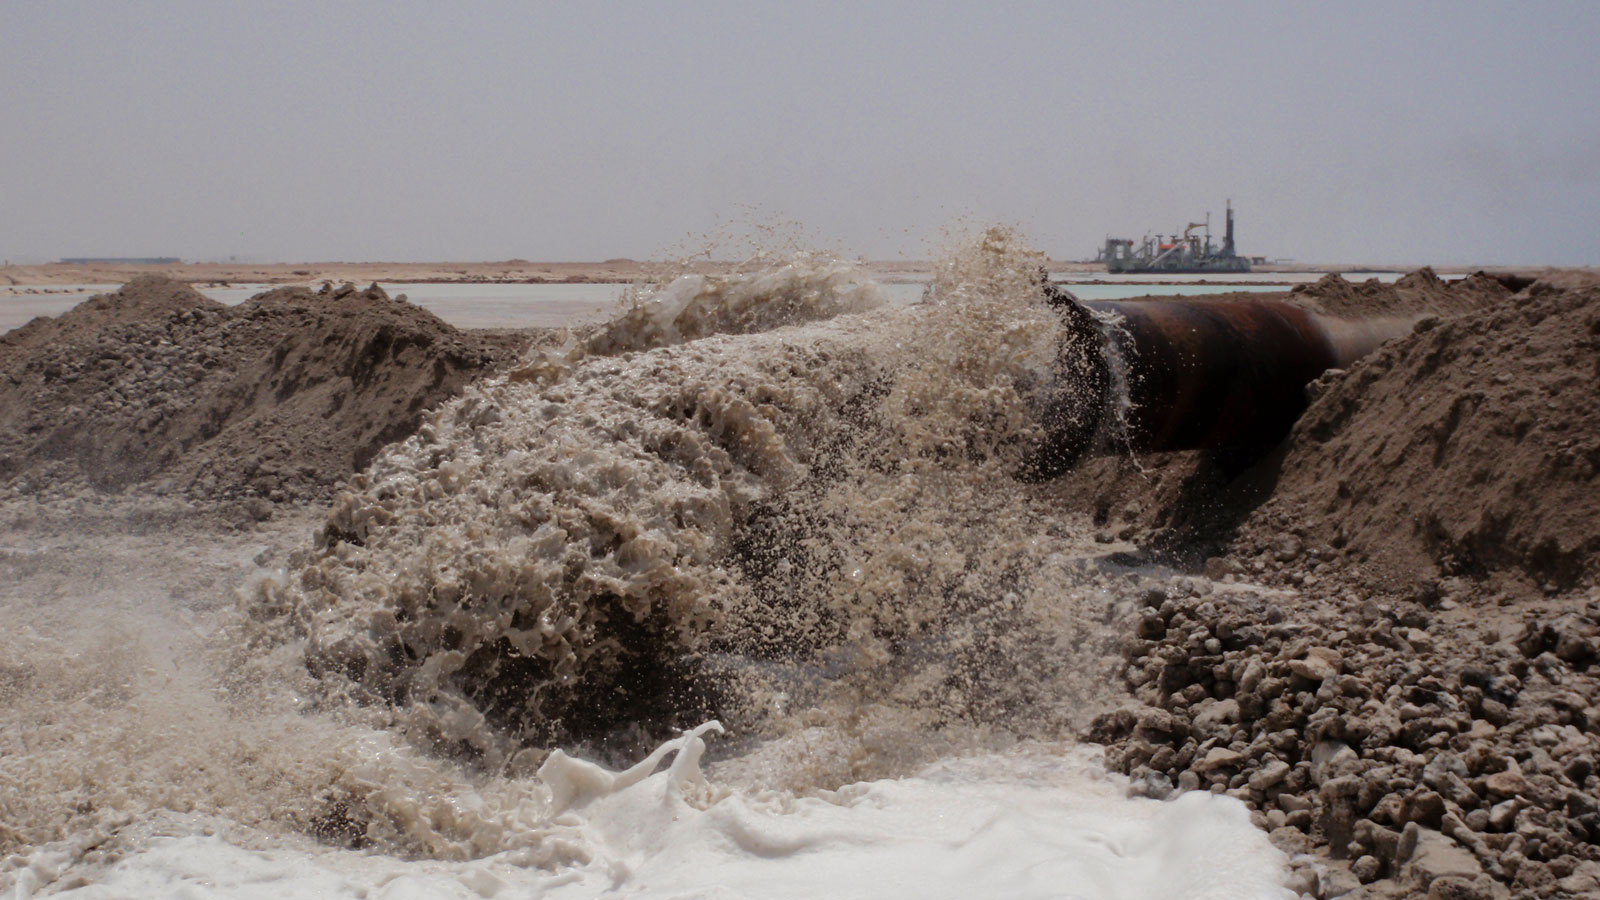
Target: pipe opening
<point>1159,375</point>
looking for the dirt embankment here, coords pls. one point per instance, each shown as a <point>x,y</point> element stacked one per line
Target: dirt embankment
<point>1468,449</point>
<point>1394,655</point>
<point>278,398</point>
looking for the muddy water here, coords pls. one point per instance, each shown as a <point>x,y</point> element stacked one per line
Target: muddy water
<point>777,501</point>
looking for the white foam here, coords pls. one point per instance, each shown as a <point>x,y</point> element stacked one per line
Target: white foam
<point>1028,824</point>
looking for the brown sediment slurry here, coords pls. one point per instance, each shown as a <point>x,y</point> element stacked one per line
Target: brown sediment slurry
<point>615,545</point>
<point>810,529</point>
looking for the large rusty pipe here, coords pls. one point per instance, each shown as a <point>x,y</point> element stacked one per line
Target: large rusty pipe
<point>1205,374</point>
<point>1190,374</point>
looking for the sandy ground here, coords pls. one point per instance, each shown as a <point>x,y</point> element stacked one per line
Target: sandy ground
<point>1435,734</point>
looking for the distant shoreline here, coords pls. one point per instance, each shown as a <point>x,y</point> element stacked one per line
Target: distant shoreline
<point>615,271</point>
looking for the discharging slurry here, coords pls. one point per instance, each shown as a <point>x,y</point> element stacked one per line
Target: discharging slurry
<point>769,500</point>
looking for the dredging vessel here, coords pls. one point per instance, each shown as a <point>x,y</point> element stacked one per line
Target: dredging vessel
<point>1185,253</point>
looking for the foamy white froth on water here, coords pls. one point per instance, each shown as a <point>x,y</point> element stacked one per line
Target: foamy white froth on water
<point>765,499</point>
<point>1022,825</point>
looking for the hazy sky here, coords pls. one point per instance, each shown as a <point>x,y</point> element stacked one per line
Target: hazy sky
<point>1447,133</point>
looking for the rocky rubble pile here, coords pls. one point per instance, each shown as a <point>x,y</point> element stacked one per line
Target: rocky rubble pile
<point>1413,745</point>
<point>276,399</point>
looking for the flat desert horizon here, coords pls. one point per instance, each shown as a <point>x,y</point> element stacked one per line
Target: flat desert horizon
<point>610,271</point>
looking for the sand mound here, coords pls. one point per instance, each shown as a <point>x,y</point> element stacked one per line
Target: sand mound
<point>1419,293</point>
<point>1470,447</point>
<point>280,397</point>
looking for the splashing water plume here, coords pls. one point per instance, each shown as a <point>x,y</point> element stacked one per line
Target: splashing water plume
<point>655,535</point>
<point>768,498</point>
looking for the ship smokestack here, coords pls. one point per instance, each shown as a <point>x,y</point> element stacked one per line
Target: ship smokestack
<point>1227,238</point>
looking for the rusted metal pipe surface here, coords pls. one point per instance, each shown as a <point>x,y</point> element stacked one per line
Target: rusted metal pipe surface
<point>1193,374</point>
<point>1211,374</point>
